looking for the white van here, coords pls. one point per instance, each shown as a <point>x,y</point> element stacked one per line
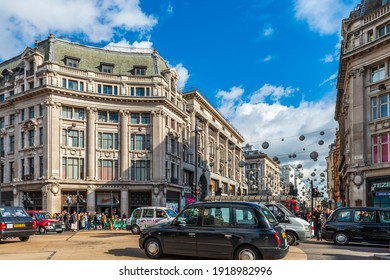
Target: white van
<point>144,217</point>
<point>295,227</point>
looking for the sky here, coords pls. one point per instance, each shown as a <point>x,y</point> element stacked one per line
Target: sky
<point>268,66</point>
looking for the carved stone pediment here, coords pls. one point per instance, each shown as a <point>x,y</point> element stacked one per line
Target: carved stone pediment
<point>30,124</point>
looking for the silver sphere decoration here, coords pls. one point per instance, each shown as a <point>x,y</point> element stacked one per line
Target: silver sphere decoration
<point>314,155</point>
<point>302,137</point>
<point>322,133</point>
<point>241,163</point>
<point>265,145</point>
<point>299,165</point>
<point>313,174</point>
<point>321,142</point>
<point>322,175</point>
<point>275,159</point>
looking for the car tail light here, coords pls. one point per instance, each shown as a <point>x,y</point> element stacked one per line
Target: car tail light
<point>2,226</point>
<point>277,238</point>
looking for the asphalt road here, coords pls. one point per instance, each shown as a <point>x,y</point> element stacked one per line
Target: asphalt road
<point>122,245</point>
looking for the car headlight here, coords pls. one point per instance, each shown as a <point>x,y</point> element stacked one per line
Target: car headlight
<point>49,224</point>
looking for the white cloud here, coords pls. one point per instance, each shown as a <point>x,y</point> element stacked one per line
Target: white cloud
<point>268,31</point>
<point>170,9</point>
<point>268,58</point>
<point>332,78</point>
<point>229,99</point>
<point>259,122</point>
<point>334,56</point>
<point>328,58</point>
<point>94,20</point>
<point>323,16</point>
<point>275,93</point>
<point>183,75</point>
<point>125,46</point>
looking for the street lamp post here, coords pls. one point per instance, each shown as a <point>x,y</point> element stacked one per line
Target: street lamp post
<point>312,198</point>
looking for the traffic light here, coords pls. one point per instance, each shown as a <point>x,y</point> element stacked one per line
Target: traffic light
<point>193,190</point>
<point>26,200</point>
<point>315,193</point>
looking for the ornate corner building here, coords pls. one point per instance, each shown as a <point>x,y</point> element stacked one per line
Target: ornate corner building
<point>363,106</point>
<point>91,129</point>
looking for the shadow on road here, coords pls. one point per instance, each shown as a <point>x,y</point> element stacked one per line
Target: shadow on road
<point>129,252</point>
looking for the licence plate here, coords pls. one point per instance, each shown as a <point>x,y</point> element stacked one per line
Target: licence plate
<point>283,234</point>
<point>19,225</point>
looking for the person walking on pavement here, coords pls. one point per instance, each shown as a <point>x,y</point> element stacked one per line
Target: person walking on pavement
<point>317,220</point>
<point>73,221</point>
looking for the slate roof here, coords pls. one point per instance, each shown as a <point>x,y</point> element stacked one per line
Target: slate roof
<point>369,6</point>
<point>91,58</point>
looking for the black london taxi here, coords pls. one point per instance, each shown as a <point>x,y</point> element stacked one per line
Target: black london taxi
<point>219,230</point>
<point>358,224</point>
<point>16,223</point>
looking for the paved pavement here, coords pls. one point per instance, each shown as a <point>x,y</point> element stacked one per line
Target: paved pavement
<point>88,245</point>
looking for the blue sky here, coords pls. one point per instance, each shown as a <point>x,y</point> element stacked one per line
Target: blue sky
<point>269,66</point>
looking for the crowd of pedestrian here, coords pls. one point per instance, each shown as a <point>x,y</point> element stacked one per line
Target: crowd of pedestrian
<point>317,218</point>
<point>91,221</point>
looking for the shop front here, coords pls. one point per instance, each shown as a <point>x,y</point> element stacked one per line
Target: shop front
<point>32,200</point>
<point>7,198</point>
<point>173,201</point>
<point>139,199</point>
<point>108,202</point>
<point>74,200</point>
<point>378,192</point>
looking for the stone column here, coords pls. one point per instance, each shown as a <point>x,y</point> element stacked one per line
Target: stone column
<point>206,143</point>
<point>227,159</point>
<point>158,146</point>
<point>217,156</point>
<point>52,139</point>
<point>125,203</point>
<point>124,145</point>
<point>91,198</point>
<point>91,143</point>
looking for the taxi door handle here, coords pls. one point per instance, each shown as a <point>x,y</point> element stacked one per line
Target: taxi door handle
<point>191,234</point>
<point>228,235</point>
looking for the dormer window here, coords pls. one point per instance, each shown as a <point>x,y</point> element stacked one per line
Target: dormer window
<point>140,70</point>
<point>107,68</point>
<point>72,61</point>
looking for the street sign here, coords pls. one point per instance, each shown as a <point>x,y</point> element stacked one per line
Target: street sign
<point>382,194</point>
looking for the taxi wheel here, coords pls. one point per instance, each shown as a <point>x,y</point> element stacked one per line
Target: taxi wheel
<point>153,249</point>
<point>291,238</point>
<point>42,230</point>
<point>247,252</point>
<point>24,239</point>
<point>135,229</point>
<point>341,238</point>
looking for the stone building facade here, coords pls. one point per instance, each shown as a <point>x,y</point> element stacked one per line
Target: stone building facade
<point>363,105</point>
<point>262,173</point>
<point>92,129</point>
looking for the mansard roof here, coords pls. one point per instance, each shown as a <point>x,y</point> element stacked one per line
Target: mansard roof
<point>369,6</point>
<point>90,58</point>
